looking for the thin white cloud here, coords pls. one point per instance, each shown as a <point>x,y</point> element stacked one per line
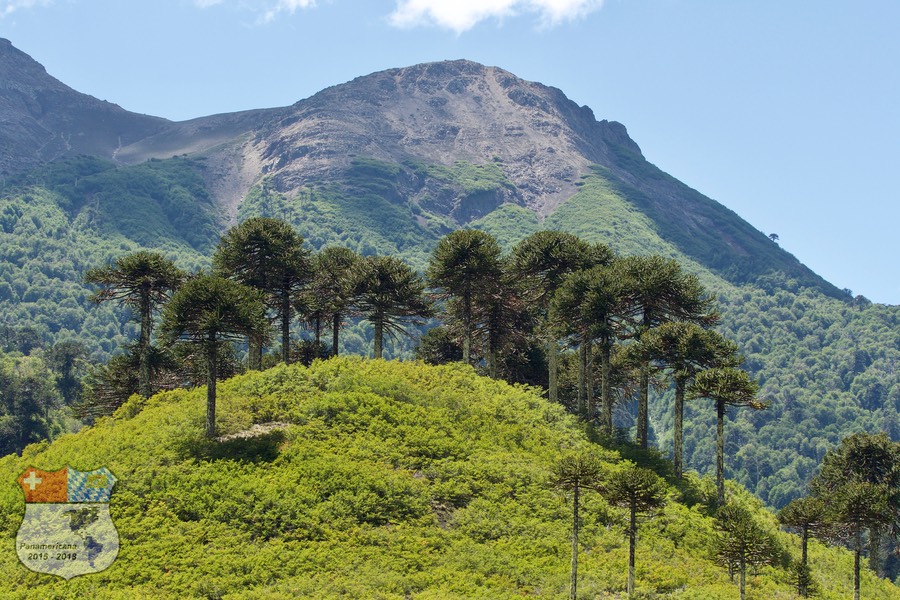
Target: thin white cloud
<point>8,7</point>
<point>461,15</point>
<point>268,9</point>
<point>285,6</point>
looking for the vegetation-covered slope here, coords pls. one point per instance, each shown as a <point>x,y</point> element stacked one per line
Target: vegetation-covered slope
<point>70,216</point>
<point>827,366</point>
<point>380,480</point>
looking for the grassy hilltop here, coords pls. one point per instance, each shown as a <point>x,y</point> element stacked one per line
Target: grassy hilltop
<point>376,480</point>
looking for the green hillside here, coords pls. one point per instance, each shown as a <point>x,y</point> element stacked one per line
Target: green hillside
<point>67,217</point>
<point>379,480</point>
<point>827,363</point>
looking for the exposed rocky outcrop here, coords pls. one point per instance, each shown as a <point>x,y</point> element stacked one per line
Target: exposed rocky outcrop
<point>403,125</point>
<point>441,113</point>
<point>435,113</point>
<point>42,119</point>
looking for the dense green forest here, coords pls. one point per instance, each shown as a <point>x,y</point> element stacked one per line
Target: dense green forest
<point>375,479</point>
<point>826,364</point>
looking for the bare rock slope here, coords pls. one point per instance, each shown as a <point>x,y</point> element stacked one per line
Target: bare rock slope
<point>411,119</point>
<point>42,119</point>
<point>442,113</point>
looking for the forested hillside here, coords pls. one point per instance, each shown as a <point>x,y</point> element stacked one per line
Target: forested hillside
<point>827,365</point>
<point>374,479</point>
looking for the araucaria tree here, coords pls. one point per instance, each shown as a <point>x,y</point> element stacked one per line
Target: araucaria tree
<point>860,480</point>
<point>727,387</point>
<point>660,292</point>
<point>810,516</point>
<point>589,306</point>
<point>576,472</point>
<point>685,349</point>
<point>541,262</point>
<point>463,267</point>
<point>208,311</point>
<point>639,491</point>
<point>502,319</point>
<point>742,542</point>
<point>332,286</point>
<point>390,295</point>
<point>143,280</point>
<point>266,254</point>
<point>861,506</point>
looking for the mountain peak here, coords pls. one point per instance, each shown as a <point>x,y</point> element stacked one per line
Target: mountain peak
<point>443,112</point>
<point>425,129</point>
<point>45,119</point>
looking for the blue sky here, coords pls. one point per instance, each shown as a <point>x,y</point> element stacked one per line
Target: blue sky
<point>786,112</point>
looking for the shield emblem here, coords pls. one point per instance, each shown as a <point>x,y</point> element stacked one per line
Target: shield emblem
<point>67,529</point>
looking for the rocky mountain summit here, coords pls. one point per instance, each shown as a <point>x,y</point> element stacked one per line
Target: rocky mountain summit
<point>408,135</point>
<point>441,113</point>
<point>436,113</point>
<point>432,113</point>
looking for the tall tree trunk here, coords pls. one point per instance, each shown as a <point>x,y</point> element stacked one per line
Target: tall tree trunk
<point>379,334</point>
<point>875,549</point>
<point>490,354</point>
<point>802,588</point>
<point>318,330</point>
<point>146,325</point>
<point>857,552</point>
<point>743,567</point>
<point>211,355</point>
<point>581,379</point>
<point>643,407</point>
<point>467,325</point>
<point>335,328</point>
<point>644,399</point>
<point>720,452</point>
<point>678,428</point>
<point>574,585</point>
<point>605,396</point>
<point>553,370</point>
<point>254,353</point>
<point>588,380</point>
<point>632,540</point>
<point>285,327</point>
<point>804,543</point>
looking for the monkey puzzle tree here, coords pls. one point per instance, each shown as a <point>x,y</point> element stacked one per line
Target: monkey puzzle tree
<point>143,280</point>
<point>810,516</point>
<point>503,320</point>
<point>685,349</point>
<point>266,254</point>
<point>727,387</point>
<point>661,292</point>
<point>389,294</point>
<point>860,506</point>
<point>640,491</point>
<point>332,285</point>
<point>463,266</point>
<point>575,472</point>
<point>742,542</point>
<point>208,311</point>
<point>863,460</point>
<point>541,262</point>
<point>589,305</point>
<point>67,358</point>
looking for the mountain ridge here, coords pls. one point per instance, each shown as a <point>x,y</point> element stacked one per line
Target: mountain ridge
<point>44,119</point>
<point>410,119</point>
<point>827,363</point>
